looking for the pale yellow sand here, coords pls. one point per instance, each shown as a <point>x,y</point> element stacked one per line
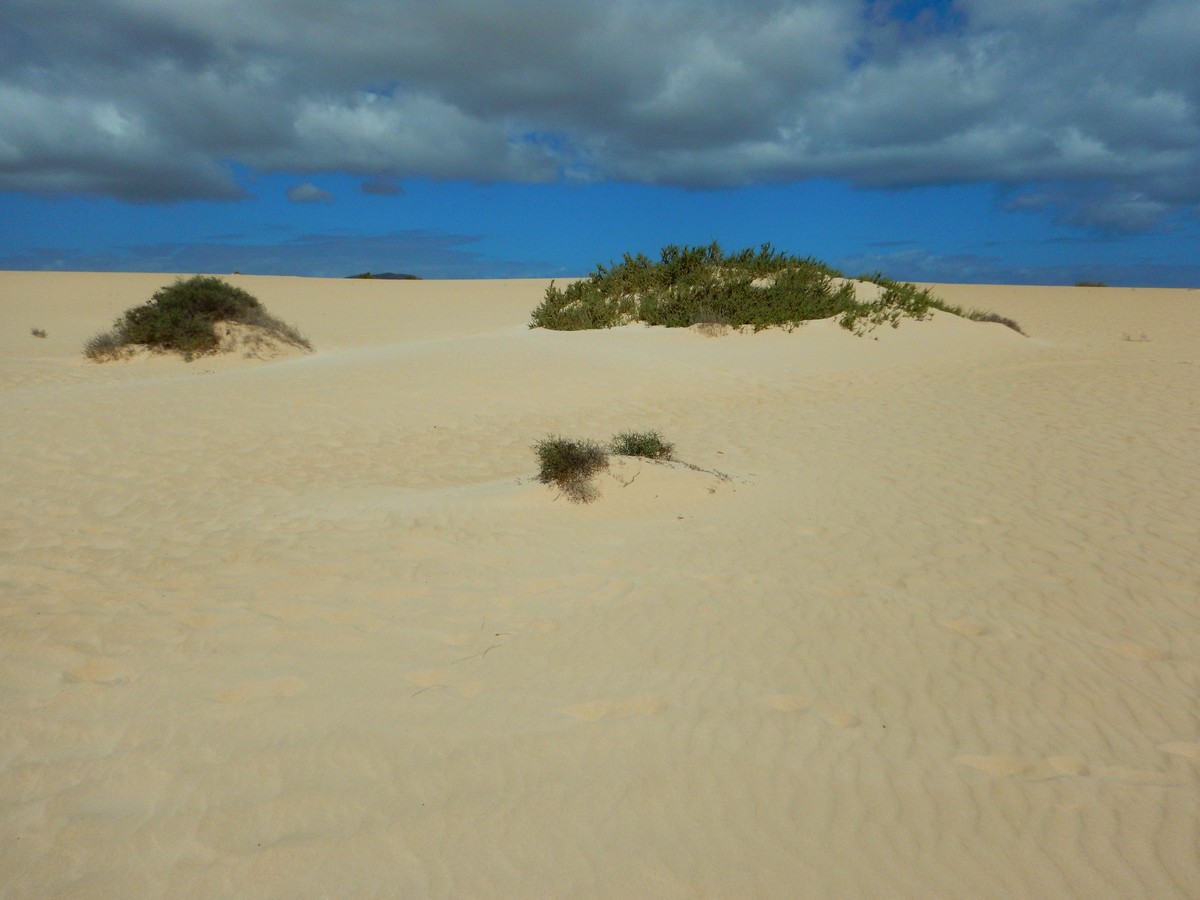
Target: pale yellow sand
<point>309,627</point>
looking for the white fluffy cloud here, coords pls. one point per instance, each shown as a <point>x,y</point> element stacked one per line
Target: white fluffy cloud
<point>1094,103</point>
<point>308,193</point>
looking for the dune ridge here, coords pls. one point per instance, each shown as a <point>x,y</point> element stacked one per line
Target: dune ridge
<point>309,626</point>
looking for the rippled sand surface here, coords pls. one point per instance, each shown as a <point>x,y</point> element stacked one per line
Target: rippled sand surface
<point>920,619</point>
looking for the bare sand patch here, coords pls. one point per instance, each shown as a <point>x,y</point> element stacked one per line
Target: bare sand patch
<point>309,625</point>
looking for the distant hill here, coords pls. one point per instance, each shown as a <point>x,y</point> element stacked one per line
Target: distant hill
<point>387,276</point>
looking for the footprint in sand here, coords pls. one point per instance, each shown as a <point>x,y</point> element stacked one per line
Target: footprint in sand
<point>1059,767</point>
<point>1186,749</point>
<point>965,627</point>
<point>248,691</point>
<point>1018,766</point>
<point>100,671</point>
<point>429,678</point>
<point>1132,776</point>
<point>785,702</point>
<point>594,710</point>
<point>1000,764</point>
<point>982,520</point>
<point>1067,765</point>
<point>1144,652</point>
<point>840,718</point>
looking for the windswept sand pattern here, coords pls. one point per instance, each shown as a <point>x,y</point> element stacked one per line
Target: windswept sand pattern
<point>311,627</point>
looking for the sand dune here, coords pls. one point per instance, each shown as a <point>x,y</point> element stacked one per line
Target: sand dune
<point>310,627</point>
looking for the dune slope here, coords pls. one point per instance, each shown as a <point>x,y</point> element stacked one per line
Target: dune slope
<point>310,626</point>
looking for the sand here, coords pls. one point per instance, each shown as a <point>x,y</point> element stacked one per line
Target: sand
<point>309,626</point>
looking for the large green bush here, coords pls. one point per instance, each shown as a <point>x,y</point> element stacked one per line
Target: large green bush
<point>181,317</point>
<point>757,288</point>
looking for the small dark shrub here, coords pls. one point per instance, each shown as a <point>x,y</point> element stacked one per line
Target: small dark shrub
<point>38,332</point>
<point>1090,284</point>
<point>180,318</point>
<point>995,317</point>
<point>570,465</point>
<point>103,346</point>
<point>648,444</point>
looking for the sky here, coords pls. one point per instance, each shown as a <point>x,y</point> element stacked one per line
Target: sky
<point>1002,141</point>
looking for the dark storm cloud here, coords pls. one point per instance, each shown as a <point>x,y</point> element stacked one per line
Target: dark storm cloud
<point>1097,101</point>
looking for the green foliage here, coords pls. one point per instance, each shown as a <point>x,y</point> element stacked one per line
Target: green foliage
<point>38,332</point>
<point>954,310</point>
<point>897,300</point>
<point>180,318</point>
<point>648,444</point>
<point>690,285</point>
<point>570,465</point>
<point>106,345</point>
<point>1090,284</point>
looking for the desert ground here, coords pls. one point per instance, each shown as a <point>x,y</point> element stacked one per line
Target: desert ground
<point>921,619</point>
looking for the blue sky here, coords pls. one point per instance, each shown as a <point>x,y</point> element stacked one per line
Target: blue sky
<point>958,140</point>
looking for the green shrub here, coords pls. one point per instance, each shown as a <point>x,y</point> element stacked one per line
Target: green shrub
<point>106,345</point>
<point>180,318</point>
<point>38,332</point>
<point>697,285</point>
<point>648,444</point>
<point>931,302</point>
<point>570,465</point>
<point>691,285</point>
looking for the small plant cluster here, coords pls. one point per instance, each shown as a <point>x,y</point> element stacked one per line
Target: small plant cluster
<point>38,332</point>
<point>704,285</point>
<point>976,315</point>
<point>570,464</point>
<point>181,317</point>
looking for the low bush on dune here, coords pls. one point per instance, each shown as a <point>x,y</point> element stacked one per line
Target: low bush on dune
<point>705,286</point>
<point>647,444</point>
<point>976,315</point>
<point>182,317</point>
<point>993,317</point>
<point>570,464</point>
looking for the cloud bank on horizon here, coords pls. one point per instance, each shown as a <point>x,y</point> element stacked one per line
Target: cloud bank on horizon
<point>1089,109</point>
